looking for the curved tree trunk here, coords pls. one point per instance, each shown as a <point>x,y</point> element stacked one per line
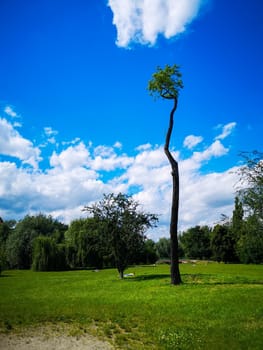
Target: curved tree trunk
<point>175,272</point>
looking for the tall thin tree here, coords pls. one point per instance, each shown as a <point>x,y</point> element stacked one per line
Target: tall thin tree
<point>166,83</point>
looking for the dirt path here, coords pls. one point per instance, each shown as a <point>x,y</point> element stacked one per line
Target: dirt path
<point>48,339</point>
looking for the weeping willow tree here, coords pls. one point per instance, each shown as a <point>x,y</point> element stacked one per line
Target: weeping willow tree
<point>166,83</point>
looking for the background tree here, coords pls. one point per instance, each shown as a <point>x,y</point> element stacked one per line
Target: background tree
<point>223,244</point>
<point>44,254</point>
<point>48,255</point>
<point>196,242</point>
<point>250,243</point>
<point>85,247</point>
<point>251,183</point>
<point>163,247</point>
<point>166,83</point>
<point>122,227</point>
<point>5,231</point>
<point>250,193</point>
<point>19,245</point>
<point>237,218</point>
<point>149,252</point>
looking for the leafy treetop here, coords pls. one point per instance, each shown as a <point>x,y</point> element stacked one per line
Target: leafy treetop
<point>166,82</point>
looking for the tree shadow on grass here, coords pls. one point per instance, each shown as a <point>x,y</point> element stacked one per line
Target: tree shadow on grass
<point>148,277</point>
<point>2,276</point>
<point>197,279</point>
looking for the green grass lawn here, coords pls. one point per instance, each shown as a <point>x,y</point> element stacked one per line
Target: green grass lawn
<point>217,307</point>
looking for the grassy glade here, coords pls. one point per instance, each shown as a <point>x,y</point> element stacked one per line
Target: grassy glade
<point>218,306</point>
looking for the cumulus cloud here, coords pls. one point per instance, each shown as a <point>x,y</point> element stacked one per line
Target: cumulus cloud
<point>117,144</point>
<point>9,111</point>
<point>79,174</point>
<point>144,147</point>
<point>72,157</point>
<point>50,134</point>
<point>141,21</point>
<point>191,141</point>
<point>49,131</point>
<point>226,130</point>
<point>205,197</point>
<point>106,158</point>
<point>14,145</point>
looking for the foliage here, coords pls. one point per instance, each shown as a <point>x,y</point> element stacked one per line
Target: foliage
<point>223,244</point>
<point>4,233</point>
<point>196,242</point>
<point>250,238</point>
<point>237,219</point>
<point>217,307</point>
<point>19,244</point>
<point>251,183</point>
<point>85,246</point>
<point>166,82</point>
<point>122,227</point>
<point>48,255</point>
<point>163,247</point>
<point>44,254</point>
<point>250,244</point>
<point>149,252</point>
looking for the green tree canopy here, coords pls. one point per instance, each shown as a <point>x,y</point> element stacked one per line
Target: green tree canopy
<point>196,242</point>
<point>237,218</point>
<point>84,243</point>
<point>250,243</point>
<point>163,247</point>
<point>48,255</point>
<point>19,245</point>
<point>166,82</point>
<point>223,244</point>
<point>5,231</point>
<point>123,226</point>
<point>251,183</point>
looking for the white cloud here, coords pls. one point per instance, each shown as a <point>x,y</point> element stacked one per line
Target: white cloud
<point>72,142</point>
<point>205,197</point>
<point>9,111</point>
<point>73,156</point>
<point>191,141</point>
<point>117,144</point>
<point>141,21</point>
<point>111,163</point>
<point>50,134</point>
<point>14,145</point>
<point>77,177</point>
<point>144,147</point>
<point>215,150</point>
<point>226,131</point>
<point>104,151</point>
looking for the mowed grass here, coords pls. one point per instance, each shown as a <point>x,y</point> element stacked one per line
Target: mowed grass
<point>217,307</point>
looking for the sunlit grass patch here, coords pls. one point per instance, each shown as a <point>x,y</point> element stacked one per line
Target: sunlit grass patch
<point>218,306</point>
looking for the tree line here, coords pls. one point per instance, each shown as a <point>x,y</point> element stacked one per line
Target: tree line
<point>114,234</point>
<point>45,244</point>
<point>240,237</point>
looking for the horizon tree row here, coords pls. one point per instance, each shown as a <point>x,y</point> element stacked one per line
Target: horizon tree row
<point>43,244</point>
<point>115,234</point>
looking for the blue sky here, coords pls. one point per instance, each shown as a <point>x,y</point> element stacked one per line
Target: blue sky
<point>76,120</point>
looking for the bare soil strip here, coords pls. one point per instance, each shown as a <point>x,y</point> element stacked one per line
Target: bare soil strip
<point>49,339</point>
